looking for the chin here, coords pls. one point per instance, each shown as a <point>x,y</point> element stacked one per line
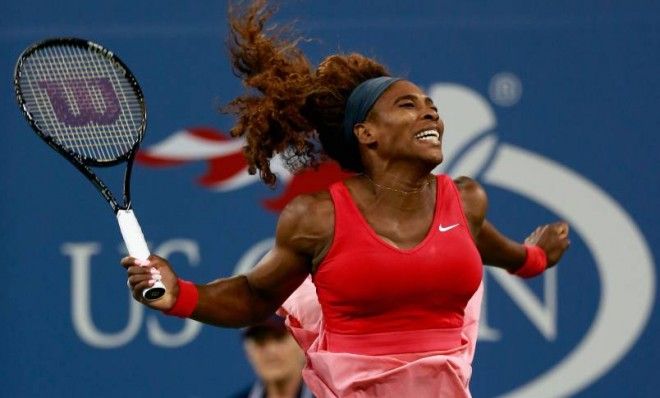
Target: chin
<point>273,375</point>
<point>435,158</point>
<point>432,163</point>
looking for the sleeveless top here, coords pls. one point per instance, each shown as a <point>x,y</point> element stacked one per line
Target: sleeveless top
<point>377,299</point>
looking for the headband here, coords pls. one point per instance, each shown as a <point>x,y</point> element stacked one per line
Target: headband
<point>361,100</point>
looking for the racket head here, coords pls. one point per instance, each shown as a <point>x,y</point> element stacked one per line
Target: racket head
<point>82,100</point>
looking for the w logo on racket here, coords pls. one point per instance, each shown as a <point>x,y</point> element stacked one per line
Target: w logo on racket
<point>78,102</point>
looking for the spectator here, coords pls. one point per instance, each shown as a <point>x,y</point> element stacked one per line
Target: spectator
<point>276,359</point>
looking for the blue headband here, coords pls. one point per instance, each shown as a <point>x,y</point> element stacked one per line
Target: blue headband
<point>361,100</point>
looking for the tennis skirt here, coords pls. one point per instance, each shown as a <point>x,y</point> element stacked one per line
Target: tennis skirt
<point>338,366</point>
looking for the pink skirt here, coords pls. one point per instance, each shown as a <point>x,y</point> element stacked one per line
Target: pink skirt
<point>359,373</point>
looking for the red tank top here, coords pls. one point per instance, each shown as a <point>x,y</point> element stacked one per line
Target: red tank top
<point>368,287</point>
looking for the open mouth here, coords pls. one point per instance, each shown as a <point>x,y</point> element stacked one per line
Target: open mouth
<point>428,136</point>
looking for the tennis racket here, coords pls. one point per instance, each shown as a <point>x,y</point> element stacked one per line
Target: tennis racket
<point>82,100</point>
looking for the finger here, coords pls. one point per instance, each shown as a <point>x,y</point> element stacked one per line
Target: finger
<point>131,261</point>
<point>135,280</point>
<point>140,287</point>
<point>143,263</point>
<point>155,274</point>
<point>152,261</point>
<point>127,261</point>
<point>158,263</point>
<point>138,270</point>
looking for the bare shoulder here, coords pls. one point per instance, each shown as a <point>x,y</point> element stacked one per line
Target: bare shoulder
<point>473,198</point>
<point>471,190</point>
<point>309,209</point>
<point>467,184</point>
<point>307,222</point>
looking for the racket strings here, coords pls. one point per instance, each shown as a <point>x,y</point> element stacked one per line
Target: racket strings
<point>72,141</point>
<point>95,133</point>
<point>83,100</point>
<point>47,69</point>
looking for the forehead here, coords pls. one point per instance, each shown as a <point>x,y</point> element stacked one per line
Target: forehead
<point>399,89</point>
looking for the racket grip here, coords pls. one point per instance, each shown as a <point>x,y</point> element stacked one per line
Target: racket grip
<point>137,248</point>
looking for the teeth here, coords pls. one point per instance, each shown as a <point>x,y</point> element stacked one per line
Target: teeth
<point>428,134</point>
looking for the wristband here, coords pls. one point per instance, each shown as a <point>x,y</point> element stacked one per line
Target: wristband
<point>535,263</point>
<point>186,301</point>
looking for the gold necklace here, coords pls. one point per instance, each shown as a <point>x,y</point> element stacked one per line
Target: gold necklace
<point>416,190</point>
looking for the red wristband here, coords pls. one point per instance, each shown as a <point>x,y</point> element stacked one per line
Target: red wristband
<point>186,301</point>
<point>535,262</point>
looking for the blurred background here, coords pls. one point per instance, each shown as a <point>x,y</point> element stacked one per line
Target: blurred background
<point>552,106</point>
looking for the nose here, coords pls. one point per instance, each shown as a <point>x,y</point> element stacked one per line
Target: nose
<point>430,113</point>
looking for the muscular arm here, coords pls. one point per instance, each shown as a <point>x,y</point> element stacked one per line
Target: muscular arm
<point>245,299</point>
<point>302,230</point>
<point>498,250</point>
<point>495,248</point>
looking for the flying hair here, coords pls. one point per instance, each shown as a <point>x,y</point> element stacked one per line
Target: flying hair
<point>289,107</point>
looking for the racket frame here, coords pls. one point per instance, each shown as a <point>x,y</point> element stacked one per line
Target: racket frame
<point>83,164</point>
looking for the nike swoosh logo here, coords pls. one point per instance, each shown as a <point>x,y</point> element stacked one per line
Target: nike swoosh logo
<point>445,229</point>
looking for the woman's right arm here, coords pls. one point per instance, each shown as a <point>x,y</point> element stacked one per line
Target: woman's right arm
<point>303,229</point>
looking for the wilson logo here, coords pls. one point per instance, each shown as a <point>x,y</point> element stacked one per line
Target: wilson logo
<point>78,102</point>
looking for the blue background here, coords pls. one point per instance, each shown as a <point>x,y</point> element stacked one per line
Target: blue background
<point>590,101</point>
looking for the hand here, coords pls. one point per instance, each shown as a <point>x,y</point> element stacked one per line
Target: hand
<point>552,238</point>
<point>142,275</point>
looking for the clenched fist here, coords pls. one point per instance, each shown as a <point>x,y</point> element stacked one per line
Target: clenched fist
<point>552,238</point>
<point>142,275</point>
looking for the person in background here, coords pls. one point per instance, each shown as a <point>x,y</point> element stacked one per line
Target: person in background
<point>277,361</point>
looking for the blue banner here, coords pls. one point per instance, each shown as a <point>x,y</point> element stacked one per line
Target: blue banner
<point>552,107</point>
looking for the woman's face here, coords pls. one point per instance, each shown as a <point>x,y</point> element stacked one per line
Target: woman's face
<point>404,125</point>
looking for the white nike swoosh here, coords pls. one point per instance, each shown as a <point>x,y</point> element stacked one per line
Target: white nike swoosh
<point>445,229</point>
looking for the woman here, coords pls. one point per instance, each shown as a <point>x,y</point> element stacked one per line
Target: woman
<point>395,252</point>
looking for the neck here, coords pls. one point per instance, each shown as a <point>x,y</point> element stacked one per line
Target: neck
<point>400,189</point>
<point>407,190</point>
<point>283,388</point>
<point>398,174</point>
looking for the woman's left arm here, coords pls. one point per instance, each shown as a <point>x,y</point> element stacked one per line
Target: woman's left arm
<point>495,248</point>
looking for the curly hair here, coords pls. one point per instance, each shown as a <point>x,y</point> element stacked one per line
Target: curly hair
<point>291,106</point>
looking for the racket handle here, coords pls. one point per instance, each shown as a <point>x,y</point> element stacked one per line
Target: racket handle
<point>137,248</point>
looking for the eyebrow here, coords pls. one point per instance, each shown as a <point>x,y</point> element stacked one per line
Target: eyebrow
<point>412,97</point>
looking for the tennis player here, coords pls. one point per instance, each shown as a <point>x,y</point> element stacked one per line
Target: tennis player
<point>395,253</point>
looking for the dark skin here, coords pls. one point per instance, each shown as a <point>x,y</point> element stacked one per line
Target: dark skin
<point>397,199</point>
